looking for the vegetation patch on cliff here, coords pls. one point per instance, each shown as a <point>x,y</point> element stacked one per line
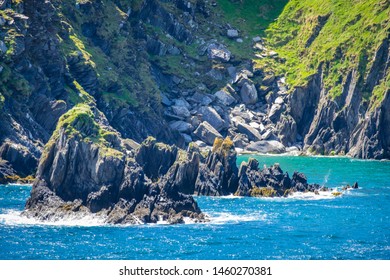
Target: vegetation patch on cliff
<point>339,36</point>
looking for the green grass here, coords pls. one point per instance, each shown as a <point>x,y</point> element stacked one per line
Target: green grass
<point>251,16</point>
<point>347,40</point>
<point>80,122</point>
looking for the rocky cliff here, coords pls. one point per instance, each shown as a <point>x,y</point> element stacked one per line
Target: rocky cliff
<point>192,71</point>
<point>86,169</point>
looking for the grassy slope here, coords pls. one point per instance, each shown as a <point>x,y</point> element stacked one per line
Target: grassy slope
<point>123,75</point>
<point>80,122</point>
<point>348,40</point>
<point>251,18</point>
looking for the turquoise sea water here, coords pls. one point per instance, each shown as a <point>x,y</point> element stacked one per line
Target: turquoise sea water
<point>355,225</point>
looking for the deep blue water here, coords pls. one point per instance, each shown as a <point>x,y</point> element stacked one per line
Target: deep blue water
<point>353,226</point>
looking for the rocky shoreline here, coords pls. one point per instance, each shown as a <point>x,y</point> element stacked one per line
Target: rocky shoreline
<point>87,168</point>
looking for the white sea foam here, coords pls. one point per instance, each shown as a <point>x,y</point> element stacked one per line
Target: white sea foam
<point>313,196</point>
<point>13,217</point>
<point>16,185</point>
<point>230,196</point>
<point>225,218</point>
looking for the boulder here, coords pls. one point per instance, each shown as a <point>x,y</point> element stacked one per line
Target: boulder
<point>181,102</point>
<point>181,126</point>
<point>201,99</point>
<point>210,115</point>
<point>267,147</point>
<point>275,112</point>
<point>248,93</point>
<point>224,98</point>
<point>252,133</point>
<point>3,47</point>
<point>219,52</point>
<point>240,141</point>
<point>187,138</point>
<point>232,33</point>
<point>207,133</point>
<point>181,111</point>
<point>165,100</point>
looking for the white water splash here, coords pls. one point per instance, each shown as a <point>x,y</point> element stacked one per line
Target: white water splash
<point>227,218</point>
<point>13,217</point>
<point>314,196</point>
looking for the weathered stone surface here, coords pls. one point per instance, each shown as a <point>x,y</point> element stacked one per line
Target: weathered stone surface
<point>3,47</point>
<point>267,147</point>
<point>19,158</point>
<point>252,133</point>
<point>201,99</point>
<point>155,158</point>
<point>181,111</point>
<point>225,98</point>
<point>219,176</point>
<point>275,112</point>
<point>210,115</point>
<point>207,133</point>
<point>6,172</point>
<point>232,33</point>
<point>240,141</point>
<point>77,177</point>
<point>218,52</point>
<point>248,93</point>
<point>181,126</point>
<point>270,182</point>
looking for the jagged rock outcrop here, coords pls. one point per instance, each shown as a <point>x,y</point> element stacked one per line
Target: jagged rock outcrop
<point>155,158</point>
<point>85,170</point>
<point>19,157</point>
<point>6,172</point>
<point>271,181</point>
<point>218,176</point>
<point>154,68</point>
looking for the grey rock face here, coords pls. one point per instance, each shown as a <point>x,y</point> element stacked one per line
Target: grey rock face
<point>3,47</point>
<point>181,126</point>
<point>210,115</point>
<point>207,133</point>
<point>248,93</point>
<point>252,133</point>
<point>225,98</point>
<point>240,141</point>
<point>267,147</point>
<point>19,157</point>
<point>232,33</point>
<point>77,177</point>
<point>270,182</point>
<point>155,158</point>
<point>219,176</point>
<point>181,111</point>
<point>218,52</point>
<point>6,171</point>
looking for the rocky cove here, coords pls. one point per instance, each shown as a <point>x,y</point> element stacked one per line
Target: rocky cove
<point>109,107</point>
<point>88,169</point>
